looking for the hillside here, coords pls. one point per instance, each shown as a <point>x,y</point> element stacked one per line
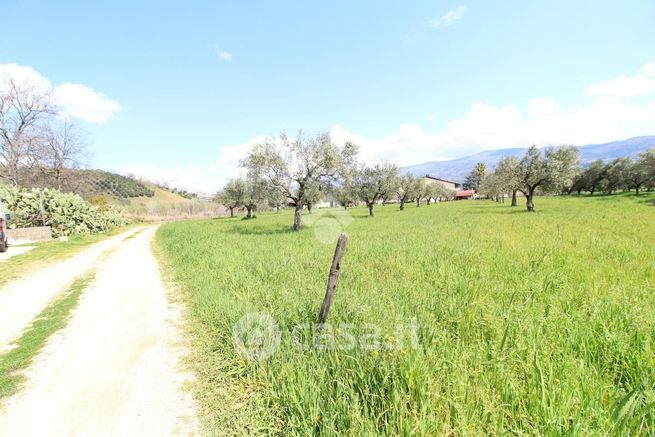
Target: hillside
<point>138,199</point>
<point>165,204</point>
<point>88,183</point>
<point>457,169</point>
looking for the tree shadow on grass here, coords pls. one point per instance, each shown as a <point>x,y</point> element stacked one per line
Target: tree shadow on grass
<point>227,218</point>
<point>644,197</point>
<point>262,230</point>
<point>496,209</point>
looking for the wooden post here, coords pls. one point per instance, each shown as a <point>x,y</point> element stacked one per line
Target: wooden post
<point>332,278</point>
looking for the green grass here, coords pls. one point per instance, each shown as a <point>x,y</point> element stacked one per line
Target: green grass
<point>48,252</point>
<point>53,318</point>
<point>529,324</point>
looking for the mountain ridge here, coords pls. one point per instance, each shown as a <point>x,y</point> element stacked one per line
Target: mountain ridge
<point>457,169</point>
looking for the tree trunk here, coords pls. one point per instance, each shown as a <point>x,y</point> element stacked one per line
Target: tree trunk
<point>297,216</point>
<point>371,213</point>
<point>309,207</point>
<point>58,178</point>
<point>418,202</point>
<point>429,200</point>
<point>248,211</point>
<point>528,202</point>
<point>637,189</point>
<point>402,205</point>
<point>231,211</point>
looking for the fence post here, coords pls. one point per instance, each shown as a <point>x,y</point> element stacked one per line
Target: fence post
<point>333,276</point>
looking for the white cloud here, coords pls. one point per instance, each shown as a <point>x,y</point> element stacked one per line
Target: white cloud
<point>223,55</point>
<point>432,116</point>
<point>540,121</point>
<point>207,179</point>
<point>190,178</point>
<point>640,84</point>
<point>23,75</point>
<point>80,101</point>
<point>542,106</point>
<point>74,100</point>
<point>450,18</point>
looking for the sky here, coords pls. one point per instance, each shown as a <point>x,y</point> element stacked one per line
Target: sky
<point>178,92</point>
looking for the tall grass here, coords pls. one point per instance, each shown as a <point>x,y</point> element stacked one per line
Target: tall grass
<point>531,324</point>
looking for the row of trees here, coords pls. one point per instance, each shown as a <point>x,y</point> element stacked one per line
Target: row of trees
<point>538,171</point>
<point>33,135</point>
<point>304,170</point>
<point>621,174</point>
<point>557,170</point>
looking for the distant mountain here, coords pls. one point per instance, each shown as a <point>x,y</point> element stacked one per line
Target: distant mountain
<point>457,169</point>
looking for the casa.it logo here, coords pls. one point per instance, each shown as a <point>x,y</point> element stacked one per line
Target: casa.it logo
<point>328,223</point>
<point>256,336</point>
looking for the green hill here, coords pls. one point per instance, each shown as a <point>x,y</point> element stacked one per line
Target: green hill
<point>138,199</point>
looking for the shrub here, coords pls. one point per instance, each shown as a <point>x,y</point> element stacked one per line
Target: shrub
<point>65,213</point>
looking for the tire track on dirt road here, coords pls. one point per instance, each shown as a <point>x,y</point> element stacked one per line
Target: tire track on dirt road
<point>115,369</point>
<point>25,298</point>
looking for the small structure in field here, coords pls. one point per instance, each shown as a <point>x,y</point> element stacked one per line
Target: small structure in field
<point>465,194</point>
<point>446,183</point>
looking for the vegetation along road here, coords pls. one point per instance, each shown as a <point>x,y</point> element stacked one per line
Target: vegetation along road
<point>113,367</point>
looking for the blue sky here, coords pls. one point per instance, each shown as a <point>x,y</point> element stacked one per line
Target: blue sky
<point>178,91</point>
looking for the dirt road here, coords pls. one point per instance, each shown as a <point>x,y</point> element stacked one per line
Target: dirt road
<point>13,251</point>
<point>115,369</point>
<point>22,300</point>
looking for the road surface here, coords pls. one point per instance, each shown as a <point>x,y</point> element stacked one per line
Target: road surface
<point>12,251</point>
<point>115,369</point>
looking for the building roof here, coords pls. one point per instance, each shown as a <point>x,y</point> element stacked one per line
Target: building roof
<point>442,180</point>
<point>464,193</point>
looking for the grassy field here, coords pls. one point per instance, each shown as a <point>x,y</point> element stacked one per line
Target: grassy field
<point>530,324</point>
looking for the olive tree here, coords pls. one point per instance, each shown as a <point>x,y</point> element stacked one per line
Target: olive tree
<point>641,171</point>
<point>616,174</point>
<point>494,186</point>
<point>255,195</point>
<point>345,193</point>
<point>372,183</point>
<point>295,166</point>
<point>505,178</point>
<point>406,189</point>
<point>232,195</point>
<point>591,178</point>
<point>442,192</point>
<point>420,191</point>
<point>313,193</point>
<point>549,171</point>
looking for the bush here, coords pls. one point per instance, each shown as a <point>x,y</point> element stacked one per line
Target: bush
<point>65,213</point>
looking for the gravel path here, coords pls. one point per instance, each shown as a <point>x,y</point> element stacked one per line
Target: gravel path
<point>22,300</point>
<point>12,251</point>
<point>115,369</point>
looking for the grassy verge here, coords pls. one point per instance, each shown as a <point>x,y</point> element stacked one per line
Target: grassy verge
<point>50,251</point>
<point>537,324</point>
<point>53,318</point>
